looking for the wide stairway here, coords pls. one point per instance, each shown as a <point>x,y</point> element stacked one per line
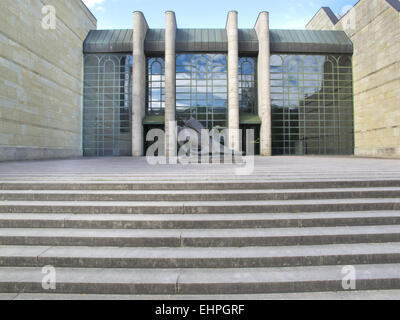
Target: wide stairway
<point>176,239</point>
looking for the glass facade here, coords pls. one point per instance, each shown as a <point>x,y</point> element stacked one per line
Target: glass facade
<point>312,105</point>
<point>247,85</point>
<point>156,86</point>
<point>311,99</point>
<point>107,104</point>
<point>202,88</point>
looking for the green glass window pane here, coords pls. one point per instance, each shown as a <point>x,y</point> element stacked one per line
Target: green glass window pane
<point>107,105</point>
<point>312,104</point>
<point>201,83</point>
<point>155,86</point>
<point>247,86</point>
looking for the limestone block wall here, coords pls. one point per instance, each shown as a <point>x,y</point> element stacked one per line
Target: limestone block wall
<point>324,19</point>
<point>374,28</point>
<point>41,79</point>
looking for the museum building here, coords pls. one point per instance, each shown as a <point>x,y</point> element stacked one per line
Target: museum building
<point>73,90</point>
<point>293,88</point>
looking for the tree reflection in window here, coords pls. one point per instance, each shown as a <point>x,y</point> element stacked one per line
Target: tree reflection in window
<point>312,104</point>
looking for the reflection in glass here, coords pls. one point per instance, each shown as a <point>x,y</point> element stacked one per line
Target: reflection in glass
<point>247,85</point>
<point>312,104</point>
<point>107,104</point>
<point>156,86</point>
<point>201,88</point>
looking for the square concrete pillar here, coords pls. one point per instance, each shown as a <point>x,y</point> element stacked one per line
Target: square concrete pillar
<point>170,85</point>
<point>264,83</point>
<point>140,28</point>
<point>233,82</point>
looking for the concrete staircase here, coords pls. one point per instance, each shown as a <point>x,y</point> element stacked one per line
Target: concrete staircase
<point>175,239</point>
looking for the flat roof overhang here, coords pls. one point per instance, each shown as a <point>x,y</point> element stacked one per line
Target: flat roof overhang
<point>215,40</point>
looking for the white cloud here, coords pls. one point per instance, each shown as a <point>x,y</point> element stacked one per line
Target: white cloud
<point>92,3</point>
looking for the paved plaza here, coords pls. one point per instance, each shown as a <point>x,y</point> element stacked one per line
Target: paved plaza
<point>265,169</point>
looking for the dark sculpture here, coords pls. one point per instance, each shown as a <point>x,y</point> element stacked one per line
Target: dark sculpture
<point>200,142</point>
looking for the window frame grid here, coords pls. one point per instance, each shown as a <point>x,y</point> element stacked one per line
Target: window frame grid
<point>334,101</point>
<point>251,84</point>
<point>209,113</point>
<point>150,61</point>
<point>103,132</point>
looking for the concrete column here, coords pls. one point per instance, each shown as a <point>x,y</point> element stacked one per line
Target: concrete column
<point>233,82</point>
<point>140,28</point>
<point>170,84</point>
<point>264,83</point>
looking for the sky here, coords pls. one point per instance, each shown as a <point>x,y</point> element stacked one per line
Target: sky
<point>284,14</point>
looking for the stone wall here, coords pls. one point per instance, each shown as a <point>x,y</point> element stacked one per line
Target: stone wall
<point>374,28</point>
<point>41,79</point>
<point>324,19</point>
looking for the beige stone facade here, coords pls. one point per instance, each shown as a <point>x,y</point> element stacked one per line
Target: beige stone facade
<point>41,79</point>
<point>374,28</point>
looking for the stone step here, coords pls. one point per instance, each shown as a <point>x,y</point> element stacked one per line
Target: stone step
<point>200,237</point>
<point>198,195</point>
<point>342,295</point>
<point>248,257</point>
<point>198,207</point>
<point>217,184</point>
<point>211,159</point>
<point>200,281</point>
<point>196,221</point>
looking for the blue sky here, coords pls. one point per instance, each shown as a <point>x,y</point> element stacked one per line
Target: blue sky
<point>284,14</point>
